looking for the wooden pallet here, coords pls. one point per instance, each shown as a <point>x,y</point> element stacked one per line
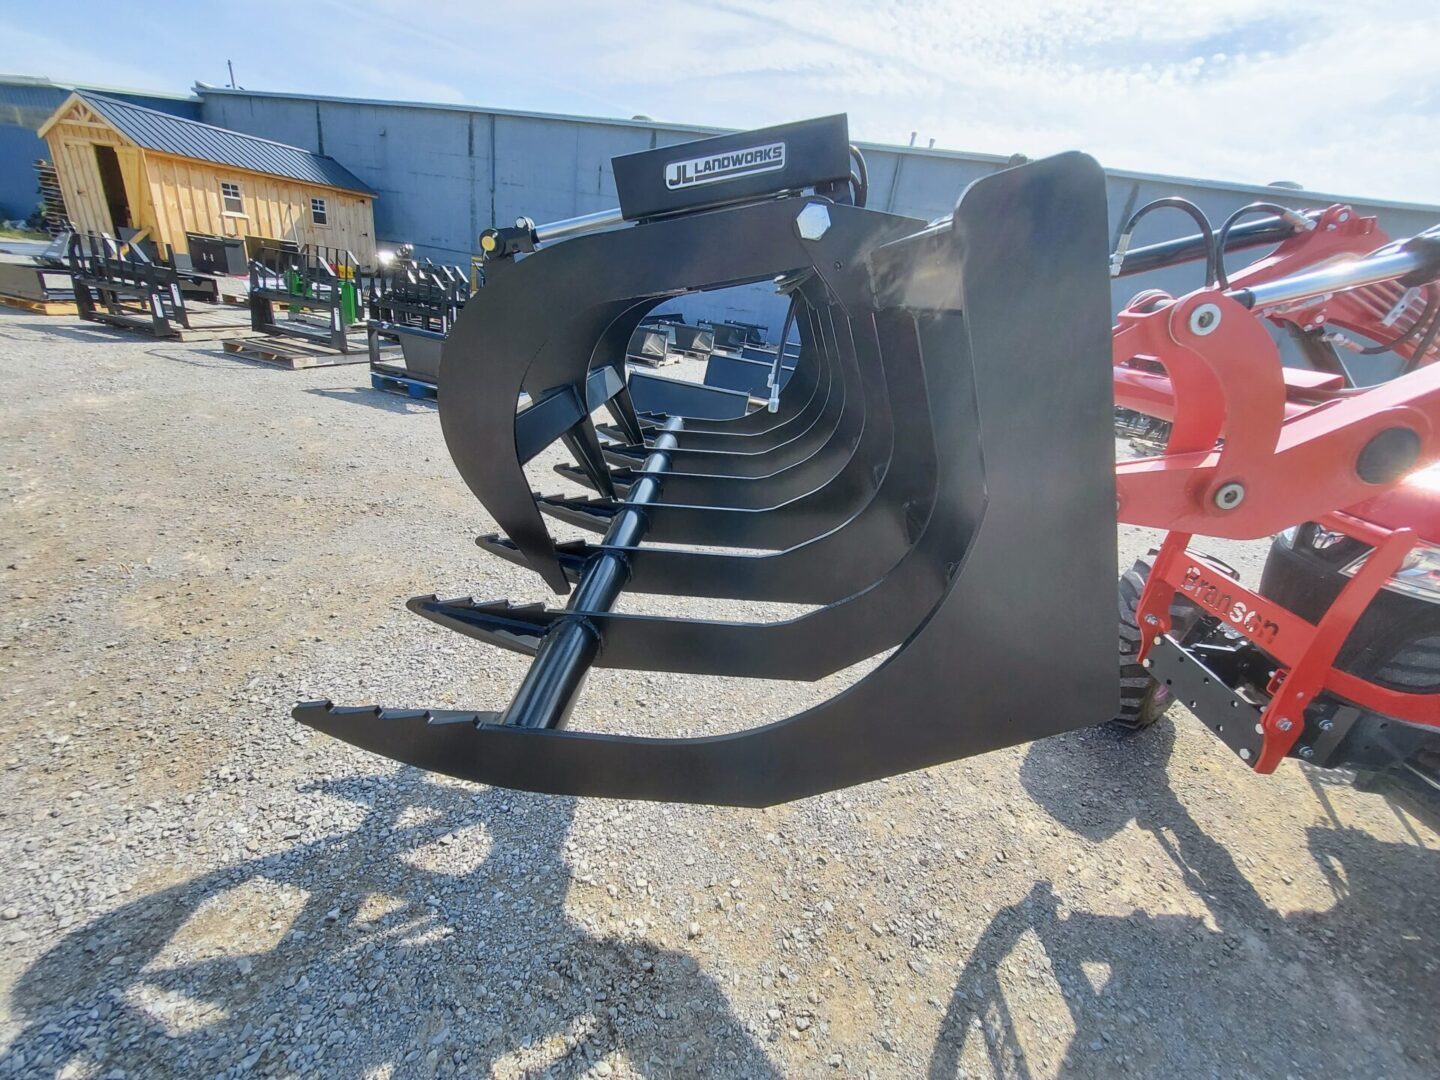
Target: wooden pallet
<point>40,307</point>
<point>214,322</point>
<point>293,357</point>
<point>212,333</point>
<point>399,384</point>
<point>645,361</point>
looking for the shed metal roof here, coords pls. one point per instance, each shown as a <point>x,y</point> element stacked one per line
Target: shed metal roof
<point>168,134</point>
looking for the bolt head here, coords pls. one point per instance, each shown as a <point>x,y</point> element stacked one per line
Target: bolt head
<point>1306,752</point>
<point>1204,320</point>
<point>1244,754</point>
<point>813,221</point>
<point>1229,496</point>
<point>1145,662</point>
<point>1327,725</point>
<point>1285,725</point>
<point>1151,620</point>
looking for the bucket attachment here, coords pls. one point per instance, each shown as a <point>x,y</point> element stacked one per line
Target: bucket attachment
<point>938,476</point>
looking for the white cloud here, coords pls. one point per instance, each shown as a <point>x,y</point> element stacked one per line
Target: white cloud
<point>1340,96</point>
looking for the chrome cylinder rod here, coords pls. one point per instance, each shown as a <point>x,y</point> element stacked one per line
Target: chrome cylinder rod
<point>1339,276</point>
<point>576,226</point>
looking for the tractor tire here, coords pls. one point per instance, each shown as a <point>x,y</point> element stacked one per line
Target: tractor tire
<point>1142,699</point>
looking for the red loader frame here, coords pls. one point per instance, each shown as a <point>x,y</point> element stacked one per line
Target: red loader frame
<point>1256,447</point>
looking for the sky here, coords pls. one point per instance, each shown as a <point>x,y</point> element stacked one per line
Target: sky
<point>1341,97</point>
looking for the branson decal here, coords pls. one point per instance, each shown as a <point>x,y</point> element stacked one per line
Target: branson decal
<point>731,165</point>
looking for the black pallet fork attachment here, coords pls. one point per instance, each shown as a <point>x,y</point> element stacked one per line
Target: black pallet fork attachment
<point>117,283</point>
<point>413,303</point>
<point>319,282</point>
<point>937,479</point>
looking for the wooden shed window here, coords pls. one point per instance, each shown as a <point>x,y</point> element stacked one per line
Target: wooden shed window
<point>318,213</point>
<point>230,194</point>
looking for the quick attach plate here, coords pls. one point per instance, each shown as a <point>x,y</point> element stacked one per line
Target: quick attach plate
<point>1205,694</point>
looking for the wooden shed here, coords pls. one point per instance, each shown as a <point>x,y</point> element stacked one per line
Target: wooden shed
<point>125,167</point>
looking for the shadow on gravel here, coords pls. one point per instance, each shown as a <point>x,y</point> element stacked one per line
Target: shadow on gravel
<point>94,333</point>
<point>396,971</point>
<point>377,399</point>
<point>1348,990</point>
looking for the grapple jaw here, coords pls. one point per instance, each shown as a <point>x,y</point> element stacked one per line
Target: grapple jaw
<point>938,477</point>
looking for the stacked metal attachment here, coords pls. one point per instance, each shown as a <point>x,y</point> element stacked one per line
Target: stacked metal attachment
<point>937,476</point>
<point>117,283</point>
<point>414,302</point>
<point>318,282</point>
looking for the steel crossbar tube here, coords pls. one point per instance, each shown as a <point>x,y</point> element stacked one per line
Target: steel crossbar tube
<point>548,692</point>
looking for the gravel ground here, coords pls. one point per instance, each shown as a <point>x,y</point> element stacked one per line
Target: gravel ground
<point>197,887</point>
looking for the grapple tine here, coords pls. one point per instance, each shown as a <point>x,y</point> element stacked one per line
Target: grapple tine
<point>517,627</point>
<point>571,555</point>
<point>615,434</point>
<point>618,477</point>
<point>436,740</point>
<point>584,443</point>
<point>594,513</point>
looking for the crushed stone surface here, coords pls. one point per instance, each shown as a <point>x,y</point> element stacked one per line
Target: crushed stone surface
<point>195,886</point>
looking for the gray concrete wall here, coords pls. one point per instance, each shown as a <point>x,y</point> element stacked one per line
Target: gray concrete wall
<point>444,173</point>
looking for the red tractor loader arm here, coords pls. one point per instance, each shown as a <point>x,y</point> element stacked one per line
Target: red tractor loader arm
<point>1256,448</point>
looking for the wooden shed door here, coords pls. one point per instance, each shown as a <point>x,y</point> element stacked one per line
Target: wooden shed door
<point>113,184</point>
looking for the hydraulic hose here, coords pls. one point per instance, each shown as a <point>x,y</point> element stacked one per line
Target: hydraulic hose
<point>1294,217</point>
<point>1177,203</point>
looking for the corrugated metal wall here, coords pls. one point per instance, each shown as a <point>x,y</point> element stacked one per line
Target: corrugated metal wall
<point>444,173</point>
<point>25,104</point>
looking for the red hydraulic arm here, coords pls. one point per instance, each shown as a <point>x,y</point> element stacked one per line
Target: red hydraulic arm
<point>1256,447</point>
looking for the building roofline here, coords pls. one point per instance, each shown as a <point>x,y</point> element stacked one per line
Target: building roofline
<point>1265,190</point>
<point>201,123</point>
<point>45,81</point>
<point>202,89</point>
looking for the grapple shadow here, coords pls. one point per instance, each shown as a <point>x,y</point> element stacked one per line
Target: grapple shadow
<point>425,970</point>
<point>1340,991</point>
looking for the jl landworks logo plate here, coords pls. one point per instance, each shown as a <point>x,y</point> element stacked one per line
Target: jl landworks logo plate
<point>731,165</point>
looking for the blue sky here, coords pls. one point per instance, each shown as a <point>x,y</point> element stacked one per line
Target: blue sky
<point>1340,96</point>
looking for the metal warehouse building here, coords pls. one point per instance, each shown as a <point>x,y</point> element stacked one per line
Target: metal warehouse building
<point>442,173</point>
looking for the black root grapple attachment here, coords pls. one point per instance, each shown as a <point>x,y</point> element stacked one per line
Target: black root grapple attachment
<point>938,476</point>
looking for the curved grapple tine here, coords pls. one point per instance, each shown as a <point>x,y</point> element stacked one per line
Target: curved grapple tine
<point>878,611</point>
<point>834,389</point>
<point>846,560</point>
<point>436,740</point>
<point>833,419</point>
<point>509,338</point>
